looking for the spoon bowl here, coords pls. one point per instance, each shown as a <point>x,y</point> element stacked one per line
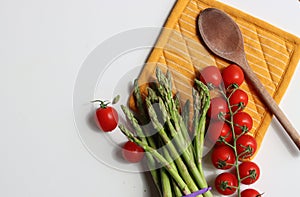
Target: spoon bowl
<point>223,44</point>
<point>223,37</point>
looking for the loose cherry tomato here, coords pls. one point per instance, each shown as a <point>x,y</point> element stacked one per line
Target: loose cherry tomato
<point>226,183</point>
<point>132,152</point>
<point>249,172</point>
<point>250,193</point>
<point>218,107</point>
<point>238,100</point>
<point>218,132</point>
<point>232,74</point>
<point>246,146</point>
<point>107,116</point>
<point>211,75</point>
<point>242,122</point>
<point>223,157</point>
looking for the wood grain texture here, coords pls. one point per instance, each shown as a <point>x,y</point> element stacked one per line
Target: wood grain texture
<point>224,38</point>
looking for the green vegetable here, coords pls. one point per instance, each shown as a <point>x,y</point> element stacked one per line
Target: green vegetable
<point>174,146</point>
<point>116,99</point>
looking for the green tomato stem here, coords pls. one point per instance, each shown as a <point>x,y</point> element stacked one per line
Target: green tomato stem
<point>232,125</point>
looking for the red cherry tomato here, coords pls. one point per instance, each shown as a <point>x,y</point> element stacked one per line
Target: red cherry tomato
<point>211,75</point>
<point>226,183</point>
<point>223,157</point>
<point>243,122</point>
<point>246,146</point>
<point>132,152</point>
<point>249,172</point>
<point>232,74</point>
<point>218,107</point>
<point>107,117</point>
<point>218,132</point>
<point>238,100</point>
<point>250,193</point>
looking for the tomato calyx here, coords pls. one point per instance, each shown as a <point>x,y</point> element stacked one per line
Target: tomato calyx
<point>248,152</point>
<point>223,163</point>
<point>224,139</point>
<point>224,186</point>
<point>242,122</point>
<point>238,98</point>
<point>103,104</point>
<point>233,86</point>
<point>223,157</point>
<point>252,175</point>
<point>246,146</point>
<point>238,107</point>
<point>249,172</point>
<point>222,115</point>
<point>226,183</point>
<point>244,129</point>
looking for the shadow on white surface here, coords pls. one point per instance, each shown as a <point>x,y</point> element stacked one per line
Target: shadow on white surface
<point>288,144</point>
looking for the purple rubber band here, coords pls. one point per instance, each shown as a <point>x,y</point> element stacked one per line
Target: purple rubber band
<point>201,191</point>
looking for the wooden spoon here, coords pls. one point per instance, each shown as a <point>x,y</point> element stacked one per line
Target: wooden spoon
<point>223,37</point>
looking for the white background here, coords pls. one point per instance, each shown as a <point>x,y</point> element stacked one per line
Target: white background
<point>42,46</point>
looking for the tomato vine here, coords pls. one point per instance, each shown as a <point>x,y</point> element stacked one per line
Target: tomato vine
<point>242,144</point>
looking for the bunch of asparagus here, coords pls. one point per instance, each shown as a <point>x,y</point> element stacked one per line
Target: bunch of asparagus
<point>174,150</point>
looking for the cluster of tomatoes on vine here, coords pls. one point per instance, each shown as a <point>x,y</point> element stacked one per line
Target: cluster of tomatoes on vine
<point>228,128</point>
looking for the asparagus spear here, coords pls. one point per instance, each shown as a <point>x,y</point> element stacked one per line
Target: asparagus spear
<point>173,172</point>
<point>149,140</point>
<point>139,103</point>
<point>187,158</point>
<point>165,90</point>
<point>203,100</point>
<point>166,182</point>
<point>176,190</point>
<point>203,103</point>
<point>186,113</point>
<point>180,164</point>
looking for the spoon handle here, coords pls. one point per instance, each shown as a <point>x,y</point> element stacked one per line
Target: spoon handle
<point>271,104</point>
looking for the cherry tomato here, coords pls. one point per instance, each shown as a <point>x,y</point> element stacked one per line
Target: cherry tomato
<point>232,74</point>
<point>218,132</point>
<point>246,146</point>
<point>226,183</point>
<point>218,107</point>
<point>242,122</point>
<point>132,152</point>
<point>223,157</point>
<point>249,172</point>
<point>107,118</point>
<point>211,75</point>
<point>250,193</point>
<point>238,100</point>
